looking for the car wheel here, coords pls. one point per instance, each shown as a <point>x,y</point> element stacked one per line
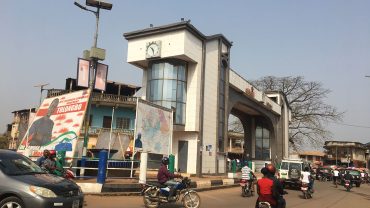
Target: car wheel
<point>358,184</point>
<point>11,202</point>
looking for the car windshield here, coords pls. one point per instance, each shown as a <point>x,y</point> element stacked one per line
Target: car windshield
<point>354,172</point>
<point>284,166</point>
<point>19,165</point>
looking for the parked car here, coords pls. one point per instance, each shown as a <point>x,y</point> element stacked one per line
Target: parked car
<point>290,172</point>
<point>26,185</point>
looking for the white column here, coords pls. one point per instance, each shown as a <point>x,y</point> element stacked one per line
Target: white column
<point>143,167</point>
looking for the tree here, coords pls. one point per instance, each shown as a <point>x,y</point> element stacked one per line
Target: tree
<point>235,124</point>
<point>310,113</point>
<point>4,142</point>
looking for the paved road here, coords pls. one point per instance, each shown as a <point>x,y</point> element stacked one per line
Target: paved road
<point>326,196</point>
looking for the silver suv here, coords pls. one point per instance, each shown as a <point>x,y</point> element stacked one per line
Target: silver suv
<point>26,185</point>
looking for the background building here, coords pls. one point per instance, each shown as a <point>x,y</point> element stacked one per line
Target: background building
<point>18,128</point>
<point>112,116</point>
<point>345,153</point>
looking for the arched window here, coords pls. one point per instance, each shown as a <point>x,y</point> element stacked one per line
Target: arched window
<point>262,142</point>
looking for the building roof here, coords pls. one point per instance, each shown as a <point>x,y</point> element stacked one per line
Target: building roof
<point>173,27</point>
<point>312,153</point>
<point>33,110</point>
<point>344,144</point>
<point>235,134</point>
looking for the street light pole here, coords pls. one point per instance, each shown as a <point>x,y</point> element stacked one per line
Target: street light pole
<point>94,62</point>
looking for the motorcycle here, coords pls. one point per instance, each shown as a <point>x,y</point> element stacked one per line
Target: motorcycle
<point>154,194</point>
<point>264,205</point>
<point>307,193</point>
<point>66,173</point>
<point>246,188</point>
<point>347,185</point>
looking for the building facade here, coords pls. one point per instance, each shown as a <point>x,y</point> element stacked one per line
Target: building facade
<point>344,153</point>
<point>112,117</point>
<point>190,72</point>
<point>314,157</point>
<point>19,126</point>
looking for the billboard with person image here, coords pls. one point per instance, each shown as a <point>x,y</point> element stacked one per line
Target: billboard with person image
<point>56,125</point>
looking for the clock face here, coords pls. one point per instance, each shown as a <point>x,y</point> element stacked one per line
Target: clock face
<point>153,50</point>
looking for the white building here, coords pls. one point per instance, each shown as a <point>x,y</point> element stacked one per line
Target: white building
<point>190,72</point>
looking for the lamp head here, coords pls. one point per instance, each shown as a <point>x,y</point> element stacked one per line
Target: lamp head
<point>99,4</point>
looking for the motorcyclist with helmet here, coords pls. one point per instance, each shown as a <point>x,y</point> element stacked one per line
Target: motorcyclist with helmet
<point>165,177</point>
<point>270,189</point>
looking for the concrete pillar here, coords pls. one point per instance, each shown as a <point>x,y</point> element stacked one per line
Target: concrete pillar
<point>143,167</point>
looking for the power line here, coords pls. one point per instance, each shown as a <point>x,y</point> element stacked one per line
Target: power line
<point>352,125</point>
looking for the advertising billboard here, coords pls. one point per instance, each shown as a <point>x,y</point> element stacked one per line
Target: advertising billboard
<point>56,125</point>
<point>153,132</point>
<point>83,72</point>
<point>101,77</point>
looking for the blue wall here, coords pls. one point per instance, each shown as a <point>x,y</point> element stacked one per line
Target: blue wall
<point>98,114</point>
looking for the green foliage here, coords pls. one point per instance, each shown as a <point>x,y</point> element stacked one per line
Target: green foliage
<point>4,142</point>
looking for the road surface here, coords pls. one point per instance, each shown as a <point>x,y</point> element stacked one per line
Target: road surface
<point>326,196</point>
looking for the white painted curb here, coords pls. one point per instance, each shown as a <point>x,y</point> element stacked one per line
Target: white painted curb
<point>91,187</point>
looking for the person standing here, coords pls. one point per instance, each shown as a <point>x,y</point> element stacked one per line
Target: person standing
<point>335,177</point>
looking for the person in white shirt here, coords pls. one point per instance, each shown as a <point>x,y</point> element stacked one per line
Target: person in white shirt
<point>247,175</point>
<point>335,177</point>
<point>306,177</point>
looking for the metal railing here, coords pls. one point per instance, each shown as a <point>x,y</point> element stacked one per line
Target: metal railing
<point>96,130</point>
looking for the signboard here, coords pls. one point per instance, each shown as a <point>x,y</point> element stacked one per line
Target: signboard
<point>153,132</point>
<point>83,72</point>
<point>56,125</point>
<point>101,77</point>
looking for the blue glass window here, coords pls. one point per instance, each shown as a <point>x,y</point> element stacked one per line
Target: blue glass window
<point>167,86</point>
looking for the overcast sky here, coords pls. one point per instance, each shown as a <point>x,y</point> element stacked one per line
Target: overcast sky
<point>326,41</point>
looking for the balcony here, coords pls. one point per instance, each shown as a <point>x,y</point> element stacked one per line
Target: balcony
<point>94,131</point>
<point>101,99</point>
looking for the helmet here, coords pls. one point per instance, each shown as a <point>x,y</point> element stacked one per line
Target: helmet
<point>165,160</point>
<point>271,168</point>
<point>52,153</point>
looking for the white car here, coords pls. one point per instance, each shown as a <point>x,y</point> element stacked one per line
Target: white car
<point>290,171</point>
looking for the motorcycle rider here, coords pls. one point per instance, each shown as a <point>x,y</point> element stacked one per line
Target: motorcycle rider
<point>165,177</point>
<point>246,175</point>
<point>348,177</point>
<point>307,178</point>
<point>52,165</point>
<point>44,156</point>
<point>270,189</point>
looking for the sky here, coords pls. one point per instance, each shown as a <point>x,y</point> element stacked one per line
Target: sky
<point>324,41</point>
